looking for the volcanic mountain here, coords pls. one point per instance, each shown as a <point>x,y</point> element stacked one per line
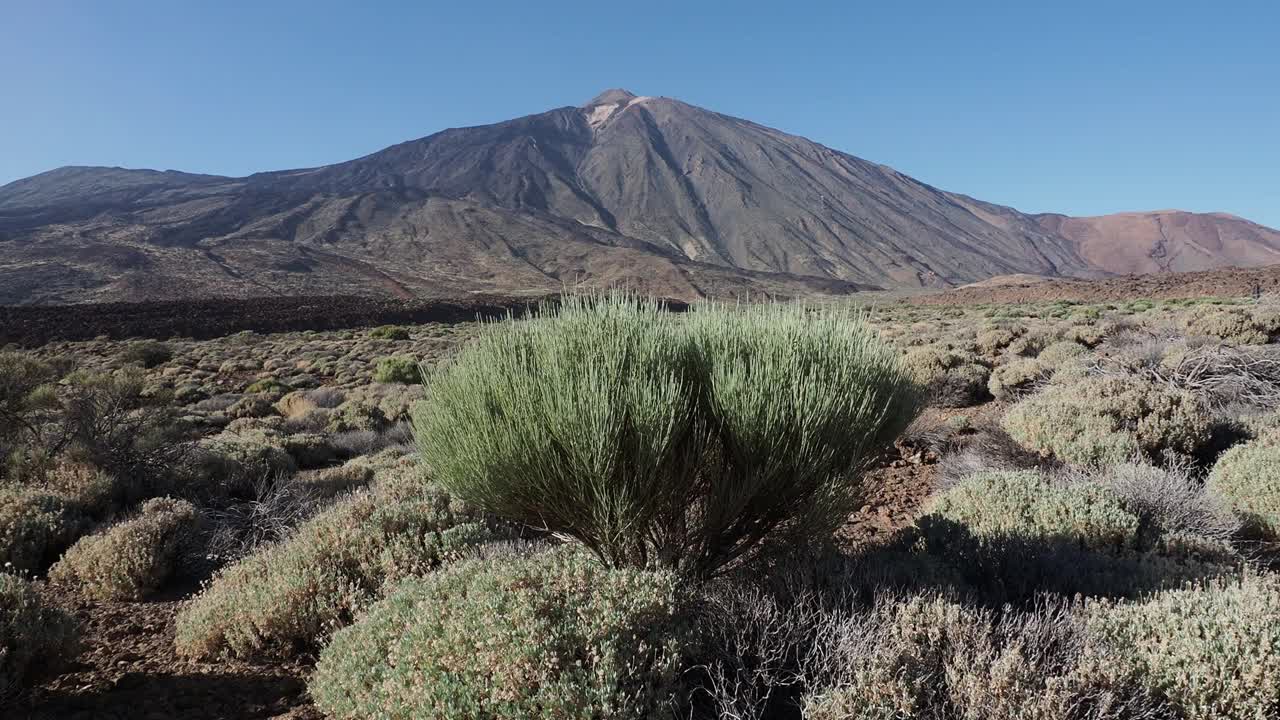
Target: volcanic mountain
<point>645,192</point>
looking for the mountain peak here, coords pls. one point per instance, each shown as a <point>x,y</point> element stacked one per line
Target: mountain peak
<point>612,96</point>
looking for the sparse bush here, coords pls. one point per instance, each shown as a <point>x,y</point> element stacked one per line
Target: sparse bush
<point>555,635</point>
<point>134,558</point>
<point>1248,477</point>
<point>951,378</point>
<point>35,640</point>
<point>1110,419</point>
<point>30,410</point>
<point>398,369</point>
<point>1168,501</point>
<point>147,353</point>
<point>277,505</point>
<point>286,598</point>
<point>651,437</point>
<point>1055,354</point>
<point>930,657</point>
<point>389,332</point>
<point>1210,651</point>
<point>36,526</point>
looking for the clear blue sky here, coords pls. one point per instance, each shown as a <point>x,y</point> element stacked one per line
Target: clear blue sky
<point>1085,108</point>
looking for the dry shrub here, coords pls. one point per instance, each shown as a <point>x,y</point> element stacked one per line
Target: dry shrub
<point>36,526</point>
<point>1247,477</point>
<point>132,559</point>
<point>555,636</point>
<point>1209,651</point>
<point>1017,378</point>
<point>35,640</point>
<point>287,597</point>
<point>1234,325</point>
<point>951,378</point>
<point>1110,419</point>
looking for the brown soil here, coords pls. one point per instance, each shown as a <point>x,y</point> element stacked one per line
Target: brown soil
<point>1230,282</point>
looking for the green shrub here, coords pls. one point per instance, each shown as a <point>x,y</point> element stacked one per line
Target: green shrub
<point>951,378</point>
<point>1110,419</point>
<point>1210,650</point>
<point>1026,503</point>
<point>268,385</point>
<point>398,369</point>
<point>36,526</point>
<point>35,640</point>
<point>134,558</point>
<point>389,332</point>
<point>554,636</point>
<point>147,353</point>
<point>286,598</point>
<point>684,441</point>
<point>1247,476</point>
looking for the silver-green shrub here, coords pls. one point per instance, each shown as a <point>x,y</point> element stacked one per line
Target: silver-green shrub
<point>551,636</point>
<point>1028,504</point>
<point>287,597</point>
<point>655,438</point>
<point>35,640</point>
<point>132,559</point>
<point>1108,419</point>
<point>1247,477</point>
<point>1211,650</point>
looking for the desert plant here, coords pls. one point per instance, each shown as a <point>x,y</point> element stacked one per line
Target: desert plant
<point>556,635</point>
<point>389,332</point>
<point>286,597</point>
<point>1210,650</point>
<point>398,369</point>
<point>36,526</point>
<point>655,438</point>
<point>1028,503</point>
<point>1247,477</point>
<point>147,353</point>
<point>132,559</point>
<point>1016,378</point>
<point>1110,419</point>
<point>929,656</point>
<point>1167,500</point>
<point>35,640</point>
<point>30,411</point>
<point>951,378</point>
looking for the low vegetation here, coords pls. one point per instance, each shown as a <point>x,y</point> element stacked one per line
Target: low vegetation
<point>35,640</point>
<point>612,510</point>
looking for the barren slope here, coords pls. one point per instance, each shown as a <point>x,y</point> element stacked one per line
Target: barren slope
<point>646,192</point>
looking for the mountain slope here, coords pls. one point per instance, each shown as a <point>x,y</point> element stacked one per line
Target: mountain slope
<point>646,192</point>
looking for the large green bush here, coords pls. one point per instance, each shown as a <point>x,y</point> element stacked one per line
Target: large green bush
<point>1110,419</point>
<point>655,438</point>
<point>1248,477</point>
<point>134,558</point>
<point>288,597</point>
<point>553,636</point>
<point>35,640</point>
